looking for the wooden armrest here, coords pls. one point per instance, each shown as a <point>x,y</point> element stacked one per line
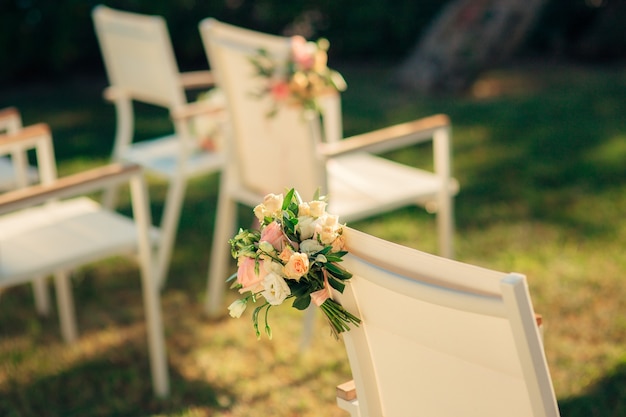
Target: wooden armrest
<point>112,93</point>
<point>388,138</point>
<point>197,79</point>
<point>196,108</point>
<point>28,137</point>
<point>10,120</point>
<point>347,390</point>
<point>68,186</point>
<point>9,113</point>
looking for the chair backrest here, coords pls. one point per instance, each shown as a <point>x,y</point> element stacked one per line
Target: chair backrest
<point>269,153</point>
<point>139,57</point>
<point>39,140</point>
<point>10,120</point>
<point>14,171</point>
<point>441,338</point>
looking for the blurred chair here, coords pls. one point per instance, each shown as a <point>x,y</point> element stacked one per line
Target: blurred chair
<point>14,170</point>
<point>439,337</point>
<point>271,154</point>
<point>52,228</point>
<point>141,66</point>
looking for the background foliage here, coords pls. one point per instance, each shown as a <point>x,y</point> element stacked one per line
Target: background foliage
<point>51,39</point>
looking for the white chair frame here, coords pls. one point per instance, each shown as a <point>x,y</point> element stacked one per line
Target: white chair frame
<point>65,231</point>
<point>141,66</point>
<point>439,337</point>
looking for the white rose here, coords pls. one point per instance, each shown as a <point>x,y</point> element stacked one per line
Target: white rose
<point>306,227</point>
<point>259,212</point>
<point>273,203</point>
<point>328,235</point>
<point>317,208</point>
<point>304,209</point>
<point>276,289</point>
<point>310,246</point>
<point>272,267</point>
<point>331,220</point>
<point>237,308</point>
<point>270,207</point>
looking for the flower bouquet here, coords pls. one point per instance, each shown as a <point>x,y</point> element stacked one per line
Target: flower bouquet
<point>302,78</point>
<point>294,254</point>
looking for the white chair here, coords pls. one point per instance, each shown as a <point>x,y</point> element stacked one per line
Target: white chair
<point>439,337</point>
<point>141,66</point>
<point>51,228</point>
<point>293,149</point>
<point>14,171</point>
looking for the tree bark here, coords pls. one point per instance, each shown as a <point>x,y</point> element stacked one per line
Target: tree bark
<point>468,37</point>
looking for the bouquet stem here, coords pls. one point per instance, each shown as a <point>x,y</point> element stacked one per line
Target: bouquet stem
<point>338,317</point>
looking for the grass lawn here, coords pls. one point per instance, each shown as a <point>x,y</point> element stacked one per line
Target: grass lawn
<point>540,153</point>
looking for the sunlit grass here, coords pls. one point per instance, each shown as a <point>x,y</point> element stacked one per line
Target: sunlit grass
<point>540,157</point>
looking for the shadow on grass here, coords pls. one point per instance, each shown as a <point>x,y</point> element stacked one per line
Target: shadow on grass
<point>606,395</point>
<point>108,387</point>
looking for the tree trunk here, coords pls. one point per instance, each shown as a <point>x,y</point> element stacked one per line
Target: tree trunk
<point>468,37</point>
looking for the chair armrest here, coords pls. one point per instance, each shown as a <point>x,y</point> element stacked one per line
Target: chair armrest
<point>196,108</point>
<point>27,138</point>
<point>9,114</point>
<point>347,390</point>
<point>388,138</point>
<point>197,79</point>
<point>112,93</point>
<point>71,185</point>
<point>10,120</point>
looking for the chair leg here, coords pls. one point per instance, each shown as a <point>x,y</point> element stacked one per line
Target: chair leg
<point>150,290</point>
<point>351,407</point>
<point>169,228</point>
<point>156,339</point>
<point>42,296</point>
<point>65,304</point>
<point>308,324</point>
<point>220,253</point>
<point>445,226</point>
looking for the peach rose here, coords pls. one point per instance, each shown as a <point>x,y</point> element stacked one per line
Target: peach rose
<point>339,243</point>
<point>297,266</point>
<point>249,279</point>
<point>303,52</point>
<point>286,254</point>
<point>273,234</point>
<point>279,90</point>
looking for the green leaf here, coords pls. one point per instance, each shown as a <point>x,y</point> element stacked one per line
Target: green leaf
<point>338,272</point>
<point>301,303</point>
<point>288,198</point>
<point>336,284</point>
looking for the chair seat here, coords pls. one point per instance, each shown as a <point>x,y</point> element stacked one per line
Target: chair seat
<point>159,156</point>
<point>61,235</point>
<point>359,186</point>
<point>7,174</point>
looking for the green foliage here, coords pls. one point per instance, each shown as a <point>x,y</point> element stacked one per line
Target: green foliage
<point>55,39</point>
